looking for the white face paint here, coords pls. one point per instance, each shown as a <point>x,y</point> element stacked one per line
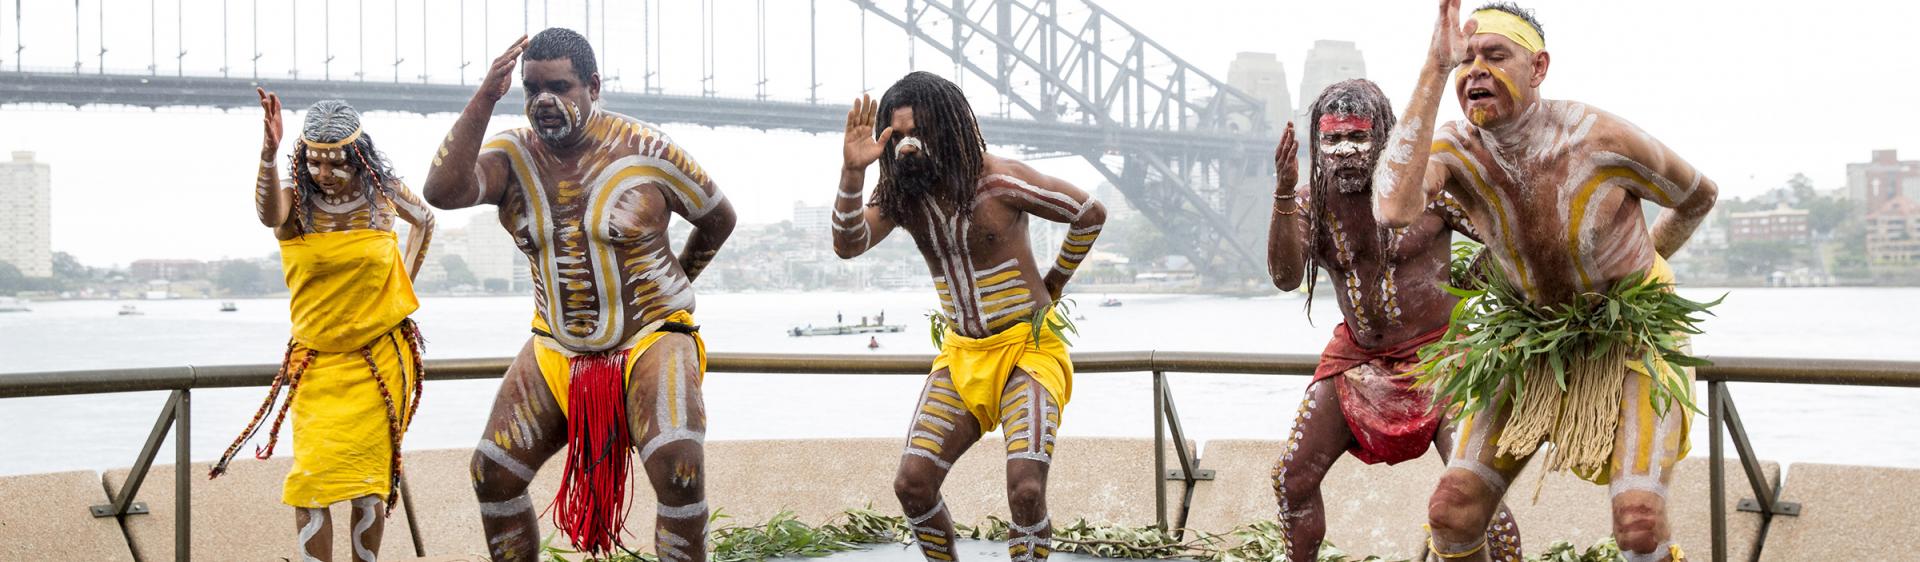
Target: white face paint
<point>899,148</point>
<point>1346,147</point>
<point>570,117</point>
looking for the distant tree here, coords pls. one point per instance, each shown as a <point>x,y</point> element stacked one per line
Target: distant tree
<point>1760,257</point>
<point>11,281</point>
<point>497,285</point>
<point>1141,240</point>
<point>458,273</point>
<point>241,278</point>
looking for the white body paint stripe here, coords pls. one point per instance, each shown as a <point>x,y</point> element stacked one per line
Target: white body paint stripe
<point>689,511</point>
<point>499,456</point>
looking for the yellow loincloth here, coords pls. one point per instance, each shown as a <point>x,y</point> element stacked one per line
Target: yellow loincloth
<point>553,359</point>
<point>980,367</point>
<point>350,293</point>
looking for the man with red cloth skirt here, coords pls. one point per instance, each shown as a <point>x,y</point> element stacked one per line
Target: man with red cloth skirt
<point>1391,289</point>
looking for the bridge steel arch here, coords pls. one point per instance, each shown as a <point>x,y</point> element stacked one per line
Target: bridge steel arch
<point>1084,65</point>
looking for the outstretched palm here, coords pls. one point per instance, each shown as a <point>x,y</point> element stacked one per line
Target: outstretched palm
<point>1286,161</point>
<point>862,147</point>
<point>1449,47</point>
<point>270,105</point>
<point>500,73</point>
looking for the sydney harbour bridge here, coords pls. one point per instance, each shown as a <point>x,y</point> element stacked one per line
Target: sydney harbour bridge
<point>1187,150</point>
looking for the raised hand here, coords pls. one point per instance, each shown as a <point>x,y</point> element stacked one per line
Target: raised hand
<point>1449,48</point>
<point>862,147</point>
<point>270,104</point>
<point>1286,162</point>
<point>500,75</point>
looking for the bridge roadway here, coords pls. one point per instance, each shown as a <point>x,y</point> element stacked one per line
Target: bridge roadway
<point>237,93</point>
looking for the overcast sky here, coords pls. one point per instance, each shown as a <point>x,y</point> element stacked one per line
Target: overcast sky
<point>1750,92</point>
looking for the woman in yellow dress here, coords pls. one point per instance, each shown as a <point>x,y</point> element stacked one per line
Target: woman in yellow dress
<point>352,368</point>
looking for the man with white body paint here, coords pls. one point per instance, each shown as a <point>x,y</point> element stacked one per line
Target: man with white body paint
<point>616,361</point>
<point>1391,288</point>
<point>1556,189</point>
<point>967,211</point>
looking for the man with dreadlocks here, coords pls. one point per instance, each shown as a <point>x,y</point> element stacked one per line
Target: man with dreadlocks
<point>352,368</point>
<point>615,361</point>
<point>1391,291</point>
<point>998,365</point>
<point>1556,188</point>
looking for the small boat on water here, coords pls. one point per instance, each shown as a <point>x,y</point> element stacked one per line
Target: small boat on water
<point>130,310</point>
<point>1110,302</point>
<point>228,306</point>
<point>10,304</point>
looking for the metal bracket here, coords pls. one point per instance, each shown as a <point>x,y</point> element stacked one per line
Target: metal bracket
<point>1198,474</point>
<point>106,510</point>
<point>1750,505</point>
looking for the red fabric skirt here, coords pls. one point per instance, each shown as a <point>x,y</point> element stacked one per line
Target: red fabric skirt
<point>1391,421</point>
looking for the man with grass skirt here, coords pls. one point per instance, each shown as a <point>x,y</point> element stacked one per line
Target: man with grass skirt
<point>1002,360</point>
<point>1391,288</point>
<point>1577,337</point>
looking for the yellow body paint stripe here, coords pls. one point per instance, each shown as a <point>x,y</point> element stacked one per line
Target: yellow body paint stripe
<point>1017,291</point>
<point>1064,264</point>
<point>1466,436</point>
<point>998,277</point>
<point>1499,208</point>
<point>1084,239</point>
<point>1643,454</point>
<point>1016,445</point>
<point>927,444</point>
<point>1584,197</point>
<point>948,400</point>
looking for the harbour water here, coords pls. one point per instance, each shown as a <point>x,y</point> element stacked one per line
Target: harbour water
<point>1795,423</point>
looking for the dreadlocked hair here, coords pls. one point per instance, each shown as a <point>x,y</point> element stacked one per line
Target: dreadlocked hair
<point>958,153</point>
<point>376,178</point>
<point>1360,97</point>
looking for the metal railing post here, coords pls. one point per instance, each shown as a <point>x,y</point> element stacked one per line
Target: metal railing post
<point>413,523</point>
<point>1717,474</point>
<point>182,480</point>
<point>1159,451</point>
<point>122,504</point>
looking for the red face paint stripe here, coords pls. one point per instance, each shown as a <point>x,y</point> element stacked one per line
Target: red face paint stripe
<point>1345,123</point>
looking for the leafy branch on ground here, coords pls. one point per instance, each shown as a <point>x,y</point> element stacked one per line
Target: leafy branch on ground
<point>785,536</point>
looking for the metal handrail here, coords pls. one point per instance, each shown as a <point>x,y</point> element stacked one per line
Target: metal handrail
<point>175,414</point>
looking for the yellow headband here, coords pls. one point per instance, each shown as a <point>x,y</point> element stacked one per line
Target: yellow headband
<point>1510,26</point>
<point>335,144</point>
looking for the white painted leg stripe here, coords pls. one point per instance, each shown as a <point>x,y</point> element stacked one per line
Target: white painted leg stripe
<point>944,465</point>
<point>668,436</point>
<point>315,517</point>
<point>499,456</point>
<point>942,424</point>
<point>366,505</point>
<point>1042,457</point>
<point>1486,473</point>
<point>689,511</point>
<point>1030,529</point>
<point>506,508</point>
<point>938,505</point>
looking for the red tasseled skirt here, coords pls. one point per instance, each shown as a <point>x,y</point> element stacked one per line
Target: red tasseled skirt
<point>592,505</point>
